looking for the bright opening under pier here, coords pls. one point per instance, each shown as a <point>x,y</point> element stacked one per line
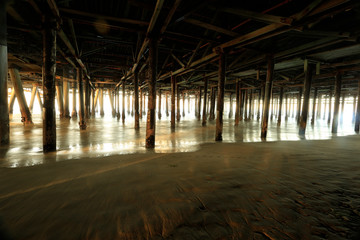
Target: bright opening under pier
<point>179,119</point>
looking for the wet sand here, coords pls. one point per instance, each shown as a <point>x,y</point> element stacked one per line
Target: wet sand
<point>271,190</point>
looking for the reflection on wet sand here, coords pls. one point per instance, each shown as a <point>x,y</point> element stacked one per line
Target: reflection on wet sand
<point>108,136</point>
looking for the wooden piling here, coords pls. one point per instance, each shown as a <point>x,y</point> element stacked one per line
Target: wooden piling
<point>286,107</point>
<point>280,105</point>
<point>220,98</point>
<point>305,107</point>
<point>342,107</point>
<point>141,103</point>
<point>123,102</point>
<point>204,117</point>
<point>230,106</point>
<point>136,100</point>
<point>159,105</point>
<point>212,104</point>
<point>319,106</point>
<point>101,102</point>
<point>199,105</point>
<point>338,79</point>
<point>298,112</point>
<point>313,116</point>
<point>173,91</point>
<point>167,104</point>
<point>258,105</point>
<point>19,91</point>
<point>237,106</point>
<point>49,71</point>
<point>357,118</point>
<point>177,102</point>
<point>87,97</point>
<point>66,99</point>
<point>60,99</point>
<point>111,98</point>
<point>183,108</point>
<point>330,105</point>
<point>246,104</point>
<point>33,95</point>
<point>82,122</point>
<point>251,104</point>
<point>268,91</point>
<point>151,121</point>
<point>95,101</point>
<point>74,112</point>
<point>4,110</point>
<point>12,100</point>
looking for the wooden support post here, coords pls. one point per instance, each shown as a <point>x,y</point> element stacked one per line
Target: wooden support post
<point>220,98</point>
<point>173,90</point>
<point>136,100</point>
<point>307,89</point>
<point>319,106</point>
<point>128,101</point>
<point>268,90</point>
<point>132,104</point>
<point>12,100</point>
<point>32,100</point>
<point>39,100</point>
<point>143,110</point>
<point>286,107</point>
<point>245,109</point>
<point>199,105</point>
<point>183,108</point>
<point>19,91</point>
<point>242,104</point>
<point>66,99</point>
<point>87,98</point>
<point>4,110</point>
<point>357,118</point>
<point>59,99</point>
<point>204,117</point>
<point>151,121</point>
<point>82,122</point>
<point>123,102</point>
<point>230,106</point>
<point>342,108</point>
<point>237,107</point>
<point>74,112</point>
<point>314,107</point>
<point>280,105</point>
<point>159,105</point>
<point>298,112</point>
<point>330,105</point>
<point>141,103</point>
<point>49,71</point>
<point>259,104</point>
<point>196,104</point>
<point>293,106</point>
<point>118,115</point>
<point>250,105</point>
<point>212,104</point>
<point>177,102</point>
<point>337,102</point>
<point>113,114</point>
<point>97,91</point>
<point>167,104</point>
<point>188,101</point>
<point>354,108</point>
<point>101,102</point>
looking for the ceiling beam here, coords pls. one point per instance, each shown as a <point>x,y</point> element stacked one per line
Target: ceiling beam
<point>67,11</point>
<point>258,16</point>
<point>211,27</point>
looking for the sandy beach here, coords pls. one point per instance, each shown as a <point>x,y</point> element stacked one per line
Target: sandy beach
<point>274,190</point>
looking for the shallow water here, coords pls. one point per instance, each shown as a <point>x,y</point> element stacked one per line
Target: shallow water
<point>109,136</point>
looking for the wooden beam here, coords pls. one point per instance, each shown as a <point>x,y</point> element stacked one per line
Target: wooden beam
<point>211,27</point>
<point>105,17</point>
<point>178,60</point>
<point>258,16</point>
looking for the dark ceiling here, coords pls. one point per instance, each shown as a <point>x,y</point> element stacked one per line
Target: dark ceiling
<point>109,37</point>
